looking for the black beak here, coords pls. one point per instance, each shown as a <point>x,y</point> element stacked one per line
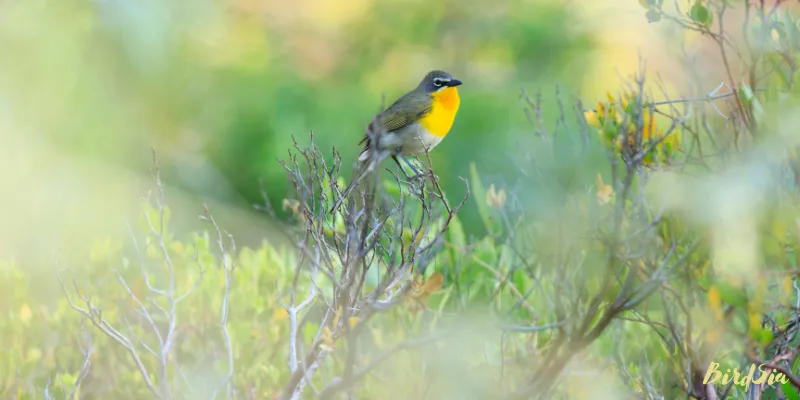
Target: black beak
<point>453,82</point>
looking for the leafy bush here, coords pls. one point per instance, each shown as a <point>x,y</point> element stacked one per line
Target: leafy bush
<point>678,258</point>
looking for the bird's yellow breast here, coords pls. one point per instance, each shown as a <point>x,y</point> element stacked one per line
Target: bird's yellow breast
<point>443,112</point>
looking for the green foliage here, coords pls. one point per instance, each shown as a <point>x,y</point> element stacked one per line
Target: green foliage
<point>41,338</point>
<point>700,13</point>
<point>678,251</point>
<point>220,87</point>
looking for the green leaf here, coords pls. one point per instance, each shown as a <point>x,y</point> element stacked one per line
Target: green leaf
<point>150,219</point>
<point>69,379</point>
<point>310,331</point>
<point>391,187</point>
<point>762,336</point>
<point>653,15</point>
<point>795,364</point>
<point>790,391</point>
<point>455,232</point>
<point>749,98</point>
<point>480,199</point>
<point>474,289</point>
<point>487,251</point>
<point>701,14</point>
<point>732,295</point>
<point>373,278</point>
<point>704,281</point>
<point>457,239</point>
<point>444,300</point>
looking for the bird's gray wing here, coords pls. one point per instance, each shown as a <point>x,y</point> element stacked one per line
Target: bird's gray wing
<point>403,112</point>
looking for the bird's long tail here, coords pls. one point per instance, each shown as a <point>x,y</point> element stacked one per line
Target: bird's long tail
<point>366,164</point>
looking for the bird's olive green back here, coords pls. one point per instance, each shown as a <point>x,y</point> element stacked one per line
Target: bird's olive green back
<point>406,110</point>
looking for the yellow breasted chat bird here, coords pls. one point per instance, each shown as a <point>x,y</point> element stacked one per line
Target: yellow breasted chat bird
<point>417,121</point>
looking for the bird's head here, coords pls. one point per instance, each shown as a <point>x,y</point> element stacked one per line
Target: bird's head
<point>437,80</point>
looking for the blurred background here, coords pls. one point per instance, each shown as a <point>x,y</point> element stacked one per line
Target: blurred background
<point>219,88</point>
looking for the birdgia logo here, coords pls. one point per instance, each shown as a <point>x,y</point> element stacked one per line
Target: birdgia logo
<point>768,375</point>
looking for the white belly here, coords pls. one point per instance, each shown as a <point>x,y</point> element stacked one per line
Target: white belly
<point>411,140</point>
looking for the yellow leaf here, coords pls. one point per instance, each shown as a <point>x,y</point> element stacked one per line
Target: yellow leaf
<point>495,198</point>
<point>648,122</point>
<point>755,320</point>
<point>626,99</point>
<point>353,321</point>
<point>408,236</point>
<point>327,337</point>
<point>674,139</point>
<point>177,247</point>
<point>787,286</point>
<point>604,192</point>
<point>501,198</point>
<point>434,282</point>
<point>294,206</point>
<point>337,316</point>
<point>610,97</point>
<point>34,354</point>
<point>591,118</point>
<point>280,314</point>
<point>715,301</point>
<point>637,386</point>
<point>25,313</point>
<point>713,336</point>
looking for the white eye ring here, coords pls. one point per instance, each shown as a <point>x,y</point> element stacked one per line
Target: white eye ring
<point>437,81</point>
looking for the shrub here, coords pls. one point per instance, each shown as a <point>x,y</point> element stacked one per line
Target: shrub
<point>646,244</point>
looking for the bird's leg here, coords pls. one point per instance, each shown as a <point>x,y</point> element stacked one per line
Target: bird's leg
<point>396,161</point>
<point>417,174</point>
<point>408,163</point>
<point>398,152</point>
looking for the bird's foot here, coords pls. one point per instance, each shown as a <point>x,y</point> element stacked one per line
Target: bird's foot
<point>418,178</point>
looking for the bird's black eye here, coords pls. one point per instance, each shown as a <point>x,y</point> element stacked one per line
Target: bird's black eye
<point>437,82</point>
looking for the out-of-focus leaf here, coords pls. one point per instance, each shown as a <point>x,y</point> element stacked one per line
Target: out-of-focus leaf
<point>391,187</point>
<point>701,14</point>
<point>604,192</point>
<point>762,336</point>
<point>151,218</point>
<point>749,98</point>
<point>479,194</point>
<point>653,15</point>
<point>327,337</point>
<point>790,391</point>
<point>434,282</point>
<point>731,294</point>
<point>457,241</point>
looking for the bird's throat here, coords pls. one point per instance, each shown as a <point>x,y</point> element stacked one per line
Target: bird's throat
<point>445,106</point>
<point>448,98</point>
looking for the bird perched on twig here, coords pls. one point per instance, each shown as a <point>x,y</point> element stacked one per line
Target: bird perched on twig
<point>415,123</point>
